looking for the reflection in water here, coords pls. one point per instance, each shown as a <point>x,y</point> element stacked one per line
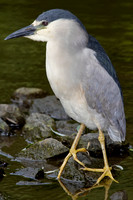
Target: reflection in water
<point>74,193</point>
<point>71,189</point>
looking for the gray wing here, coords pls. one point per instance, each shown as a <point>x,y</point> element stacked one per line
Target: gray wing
<point>103,58</point>
<point>103,92</point>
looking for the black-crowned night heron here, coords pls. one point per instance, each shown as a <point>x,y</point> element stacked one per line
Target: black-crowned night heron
<point>82,77</point>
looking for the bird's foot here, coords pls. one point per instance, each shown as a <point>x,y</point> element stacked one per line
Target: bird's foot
<point>106,172</point>
<point>73,152</point>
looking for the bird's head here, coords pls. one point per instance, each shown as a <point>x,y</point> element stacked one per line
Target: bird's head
<point>53,24</point>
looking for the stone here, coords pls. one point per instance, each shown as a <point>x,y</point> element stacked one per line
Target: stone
<point>91,143</point>
<point>12,116</point>
<point>28,172</point>
<point>49,105</point>
<point>4,128</point>
<point>44,149</point>
<point>29,93</point>
<point>23,97</point>
<point>73,171</point>
<point>67,127</point>
<point>120,195</point>
<point>37,127</point>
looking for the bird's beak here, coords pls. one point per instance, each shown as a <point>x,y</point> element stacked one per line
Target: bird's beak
<point>26,31</point>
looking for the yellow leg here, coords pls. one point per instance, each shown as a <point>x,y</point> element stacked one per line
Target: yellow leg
<point>73,151</point>
<point>106,170</point>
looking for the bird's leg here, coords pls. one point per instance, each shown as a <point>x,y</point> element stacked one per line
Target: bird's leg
<point>73,151</point>
<point>107,169</point>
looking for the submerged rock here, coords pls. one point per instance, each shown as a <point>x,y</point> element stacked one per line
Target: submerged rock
<point>37,127</point>
<point>49,105</point>
<point>120,195</point>
<point>44,149</point>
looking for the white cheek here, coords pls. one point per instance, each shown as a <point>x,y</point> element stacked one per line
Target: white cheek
<point>40,35</point>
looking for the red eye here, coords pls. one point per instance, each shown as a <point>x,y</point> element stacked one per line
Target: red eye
<point>44,23</point>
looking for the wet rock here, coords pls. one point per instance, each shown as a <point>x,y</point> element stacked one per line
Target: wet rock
<point>49,105</point>
<point>2,197</point>
<point>6,141</point>
<point>67,127</point>
<point>28,93</point>
<point>4,128</point>
<point>23,97</point>
<point>31,183</point>
<point>44,149</point>
<point>121,195</point>
<point>90,141</point>
<point>28,172</point>
<point>31,169</point>
<point>72,187</point>
<point>12,116</point>
<point>40,174</point>
<point>66,132</point>
<point>73,172</point>
<point>37,127</point>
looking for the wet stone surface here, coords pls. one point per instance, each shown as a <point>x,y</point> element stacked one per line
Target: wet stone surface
<point>4,128</point>
<point>38,126</point>
<point>121,195</point>
<point>44,149</point>
<point>12,115</point>
<point>49,105</point>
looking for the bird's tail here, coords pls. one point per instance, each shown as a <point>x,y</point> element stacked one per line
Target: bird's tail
<point>116,135</point>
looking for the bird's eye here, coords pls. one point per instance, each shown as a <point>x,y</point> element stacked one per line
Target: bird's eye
<point>44,23</point>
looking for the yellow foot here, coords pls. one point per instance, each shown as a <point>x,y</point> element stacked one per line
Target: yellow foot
<point>106,172</point>
<point>73,153</point>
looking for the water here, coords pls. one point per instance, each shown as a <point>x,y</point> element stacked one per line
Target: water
<point>22,64</point>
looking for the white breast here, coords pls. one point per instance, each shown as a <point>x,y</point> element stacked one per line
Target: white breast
<point>64,78</point>
<point>61,72</point>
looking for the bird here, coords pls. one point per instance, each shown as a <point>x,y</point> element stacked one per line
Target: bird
<point>82,77</point>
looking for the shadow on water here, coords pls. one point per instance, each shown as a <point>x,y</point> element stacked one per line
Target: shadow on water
<point>22,64</point>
